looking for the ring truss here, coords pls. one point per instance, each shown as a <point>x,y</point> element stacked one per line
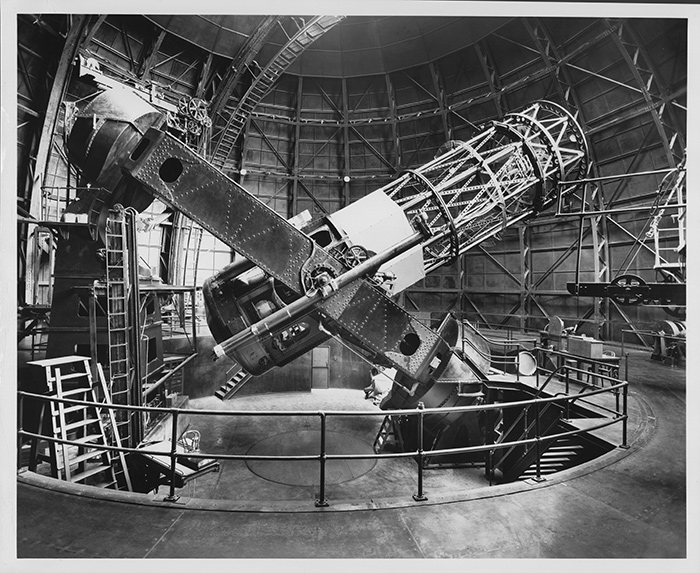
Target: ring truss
<point>507,172</point>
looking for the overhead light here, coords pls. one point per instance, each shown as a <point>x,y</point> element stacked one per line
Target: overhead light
<point>346,179</point>
<point>244,172</point>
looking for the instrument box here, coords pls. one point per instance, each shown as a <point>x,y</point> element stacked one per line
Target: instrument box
<point>585,347</point>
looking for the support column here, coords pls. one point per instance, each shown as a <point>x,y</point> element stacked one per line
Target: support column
<point>526,275</point>
<point>43,152</point>
<point>294,188</point>
<point>346,144</point>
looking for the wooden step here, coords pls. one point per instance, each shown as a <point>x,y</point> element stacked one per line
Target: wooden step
<point>106,484</point>
<point>80,424</point>
<point>75,392</point>
<point>70,409</point>
<point>91,472</point>
<point>87,456</point>
<point>90,438</point>
<point>74,375</point>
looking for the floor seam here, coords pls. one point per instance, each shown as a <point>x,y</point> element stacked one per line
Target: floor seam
<point>413,537</point>
<point>162,536</point>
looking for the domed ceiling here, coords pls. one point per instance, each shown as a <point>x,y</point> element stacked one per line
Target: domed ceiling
<point>358,46</point>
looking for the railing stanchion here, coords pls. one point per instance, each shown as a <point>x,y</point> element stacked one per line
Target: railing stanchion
<point>624,414</point>
<point>538,453</point>
<point>172,496</point>
<point>322,501</point>
<point>419,496</point>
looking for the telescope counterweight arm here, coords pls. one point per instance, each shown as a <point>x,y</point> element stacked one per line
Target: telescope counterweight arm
<point>179,177</point>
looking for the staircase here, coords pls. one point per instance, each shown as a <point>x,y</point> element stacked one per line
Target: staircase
<point>562,454</point>
<point>568,452</point>
<point>262,82</point>
<point>556,454</point>
<point>515,460</point>
<point>233,385</point>
<point>87,425</point>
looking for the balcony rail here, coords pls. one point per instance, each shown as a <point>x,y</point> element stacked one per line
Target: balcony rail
<point>618,416</point>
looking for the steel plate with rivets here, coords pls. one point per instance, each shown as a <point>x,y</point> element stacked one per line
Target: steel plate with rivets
<point>187,182</point>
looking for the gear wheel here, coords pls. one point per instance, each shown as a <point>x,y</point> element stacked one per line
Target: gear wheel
<point>355,255</point>
<point>317,276</point>
<point>628,282</point>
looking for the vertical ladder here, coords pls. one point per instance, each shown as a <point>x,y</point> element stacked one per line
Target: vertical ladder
<point>84,461</point>
<point>192,249</point>
<point>118,324</point>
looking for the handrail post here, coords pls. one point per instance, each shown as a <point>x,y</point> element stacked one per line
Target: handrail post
<point>538,475</point>
<point>622,348</point>
<point>624,444</point>
<point>172,496</point>
<point>322,501</point>
<point>419,496</point>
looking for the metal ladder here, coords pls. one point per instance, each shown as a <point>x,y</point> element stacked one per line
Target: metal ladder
<point>119,292</point>
<point>85,461</point>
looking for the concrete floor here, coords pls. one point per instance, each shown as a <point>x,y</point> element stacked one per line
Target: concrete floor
<point>628,504</point>
<point>271,484</point>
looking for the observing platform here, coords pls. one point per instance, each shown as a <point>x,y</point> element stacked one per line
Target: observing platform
<point>628,503</point>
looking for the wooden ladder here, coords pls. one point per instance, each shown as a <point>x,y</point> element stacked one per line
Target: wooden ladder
<point>83,461</point>
<point>387,433</point>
